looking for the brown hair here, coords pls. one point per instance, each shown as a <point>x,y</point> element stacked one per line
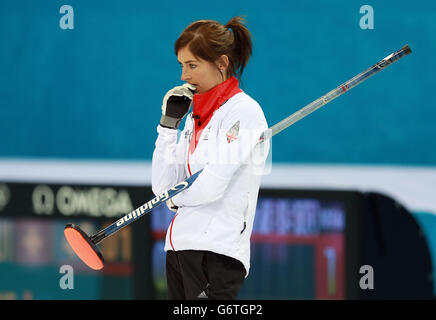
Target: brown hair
<point>209,39</point>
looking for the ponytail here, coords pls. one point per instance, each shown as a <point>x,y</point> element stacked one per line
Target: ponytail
<point>242,44</point>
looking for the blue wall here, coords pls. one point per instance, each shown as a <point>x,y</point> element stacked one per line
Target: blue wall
<point>96,91</point>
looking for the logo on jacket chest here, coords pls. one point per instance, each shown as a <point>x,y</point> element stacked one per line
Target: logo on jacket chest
<point>233,133</point>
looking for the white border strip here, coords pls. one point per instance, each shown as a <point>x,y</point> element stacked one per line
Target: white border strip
<point>136,173</point>
<point>414,187</point>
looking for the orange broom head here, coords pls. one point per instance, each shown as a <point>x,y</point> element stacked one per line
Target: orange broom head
<point>83,247</point>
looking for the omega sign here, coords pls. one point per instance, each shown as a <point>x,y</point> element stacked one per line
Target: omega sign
<point>93,201</point>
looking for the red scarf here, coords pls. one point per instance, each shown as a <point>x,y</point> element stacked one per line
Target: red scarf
<point>205,104</point>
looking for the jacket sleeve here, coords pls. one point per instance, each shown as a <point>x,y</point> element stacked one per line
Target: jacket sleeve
<point>167,167</point>
<point>236,139</point>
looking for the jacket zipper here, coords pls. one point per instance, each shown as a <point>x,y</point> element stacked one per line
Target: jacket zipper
<point>190,174</point>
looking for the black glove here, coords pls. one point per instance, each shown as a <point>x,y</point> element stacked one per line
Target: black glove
<point>175,105</point>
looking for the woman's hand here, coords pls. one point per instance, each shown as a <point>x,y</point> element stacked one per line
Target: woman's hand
<point>175,105</point>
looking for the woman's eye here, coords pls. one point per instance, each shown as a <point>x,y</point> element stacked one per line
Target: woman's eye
<point>192,66</point>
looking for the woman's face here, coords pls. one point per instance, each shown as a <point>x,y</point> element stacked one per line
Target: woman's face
<point>204,75</point>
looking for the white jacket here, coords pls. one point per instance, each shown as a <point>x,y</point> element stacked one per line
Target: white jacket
<point>217,212</point>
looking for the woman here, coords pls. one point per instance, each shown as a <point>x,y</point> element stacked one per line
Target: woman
<point>208,240</point>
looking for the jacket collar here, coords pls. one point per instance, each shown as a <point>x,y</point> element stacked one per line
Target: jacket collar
<point>205,104</point>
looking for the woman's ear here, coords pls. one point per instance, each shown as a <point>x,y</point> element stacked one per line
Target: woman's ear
<point>222,63</point>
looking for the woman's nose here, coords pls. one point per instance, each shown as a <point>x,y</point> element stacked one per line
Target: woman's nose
<point>185,76</point>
